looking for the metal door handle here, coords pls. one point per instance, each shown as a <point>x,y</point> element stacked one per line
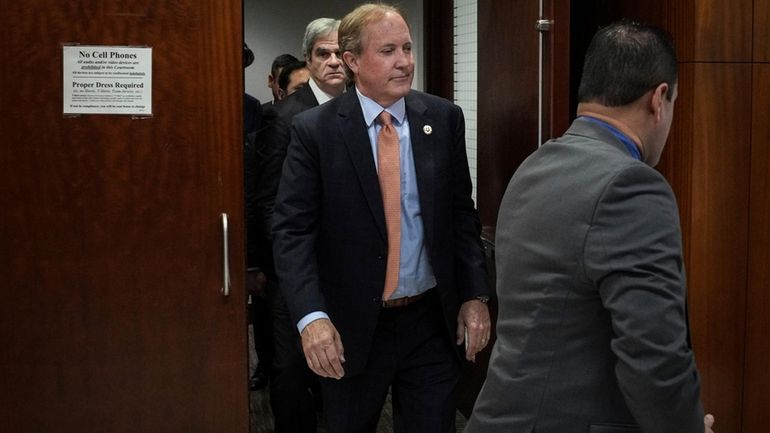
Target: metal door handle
<point>226,258</point>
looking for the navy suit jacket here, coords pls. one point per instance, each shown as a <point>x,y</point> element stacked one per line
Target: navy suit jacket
<point>252,114</point>
<point>269,145</point>
<point>329,235</point>
<point>297,102</point>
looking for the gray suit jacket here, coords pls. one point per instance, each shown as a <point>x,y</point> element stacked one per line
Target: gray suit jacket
<point>592,328</point>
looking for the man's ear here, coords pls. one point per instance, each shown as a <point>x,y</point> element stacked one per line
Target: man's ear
<point>351,60</point>
<point>658,98</point>
<point>270,80</point>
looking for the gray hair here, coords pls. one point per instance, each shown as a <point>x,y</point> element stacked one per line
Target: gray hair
<point>317,28</point>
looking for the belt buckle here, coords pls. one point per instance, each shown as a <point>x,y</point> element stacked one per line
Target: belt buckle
<point>394,303</point>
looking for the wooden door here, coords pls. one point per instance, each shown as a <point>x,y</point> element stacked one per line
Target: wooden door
<point>111,240</point>
<point>509,86</point>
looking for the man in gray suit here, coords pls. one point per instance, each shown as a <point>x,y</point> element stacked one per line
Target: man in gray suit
<point>592,329</point>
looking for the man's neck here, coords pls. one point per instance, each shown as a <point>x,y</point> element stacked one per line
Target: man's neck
<point>617,117</point>
<point>320,94</point>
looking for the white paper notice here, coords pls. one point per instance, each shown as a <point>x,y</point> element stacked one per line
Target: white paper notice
<point>107,80</point>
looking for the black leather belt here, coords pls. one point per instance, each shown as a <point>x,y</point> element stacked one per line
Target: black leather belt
<point>403,302</point>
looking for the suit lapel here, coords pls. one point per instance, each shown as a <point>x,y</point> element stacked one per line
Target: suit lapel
<point>424,160</point>
<point>356,138</point>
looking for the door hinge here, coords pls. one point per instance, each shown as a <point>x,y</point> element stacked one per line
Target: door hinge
<point>544,25</point>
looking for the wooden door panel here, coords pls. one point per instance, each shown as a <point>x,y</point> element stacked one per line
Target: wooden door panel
<point>757,380</point>
<point>111,240</point>
<point>761,31</point>
<point>507,109</point>
<point>718,233</point>
<point>677,158</point>
<point>721,30</point>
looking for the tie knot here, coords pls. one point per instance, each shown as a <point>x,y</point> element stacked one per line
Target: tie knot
<point>384,118</point>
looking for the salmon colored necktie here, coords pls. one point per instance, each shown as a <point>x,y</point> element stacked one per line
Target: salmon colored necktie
<point>390,184</point>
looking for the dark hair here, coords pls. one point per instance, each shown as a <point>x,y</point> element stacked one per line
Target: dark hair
<point>285,76</point>
<point>280,62</point>
<point>248,55</point>
<point>624,61</point>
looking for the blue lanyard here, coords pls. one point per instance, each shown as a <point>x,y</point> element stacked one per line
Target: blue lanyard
<point>630,145</point>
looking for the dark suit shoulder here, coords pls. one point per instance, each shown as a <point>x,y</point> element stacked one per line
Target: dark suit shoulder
<point>269,115</point>
<point>342,105</point>
<point>252,114</point>
<point>296,103</point>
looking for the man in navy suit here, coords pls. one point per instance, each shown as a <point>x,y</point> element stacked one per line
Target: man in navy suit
<point>331,242</point>
<point>291,382</point>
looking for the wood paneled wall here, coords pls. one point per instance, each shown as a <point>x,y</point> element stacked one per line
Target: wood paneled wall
<point>757,379</point>
<point>727,203</point>
<point>761,31</point>
<point>717,162</point>
<point>721,30</point>
<point>718,232</point>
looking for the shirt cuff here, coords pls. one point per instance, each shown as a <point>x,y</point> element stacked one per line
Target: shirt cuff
<point>311,317</point>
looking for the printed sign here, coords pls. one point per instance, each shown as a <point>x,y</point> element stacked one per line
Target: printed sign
<point>107,80</point>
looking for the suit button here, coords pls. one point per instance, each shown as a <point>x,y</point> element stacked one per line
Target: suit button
<point>379,257</point>
<point>375,300</point>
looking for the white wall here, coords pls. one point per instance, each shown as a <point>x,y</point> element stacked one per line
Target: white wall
<point>273,27</point>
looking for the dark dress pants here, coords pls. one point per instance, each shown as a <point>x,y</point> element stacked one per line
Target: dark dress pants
<point>292,383</point>
<point>412,356</point>
<point>263,333</point>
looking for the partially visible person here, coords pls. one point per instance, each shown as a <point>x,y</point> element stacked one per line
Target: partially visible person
<point>293,77</point>
<point>377,241</point>
<point>252,108</point>
<point>294,393</point>
<point>252,114</point>
<point>592,332</point>
<point>258,312</point>
<point>275,72</point>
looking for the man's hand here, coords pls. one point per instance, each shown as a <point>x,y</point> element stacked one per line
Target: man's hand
<point>708,422</point>
<point>473,318</point>
<point>323,349</point>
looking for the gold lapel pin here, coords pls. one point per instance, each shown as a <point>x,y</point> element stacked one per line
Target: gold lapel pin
<point>427,129</point>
